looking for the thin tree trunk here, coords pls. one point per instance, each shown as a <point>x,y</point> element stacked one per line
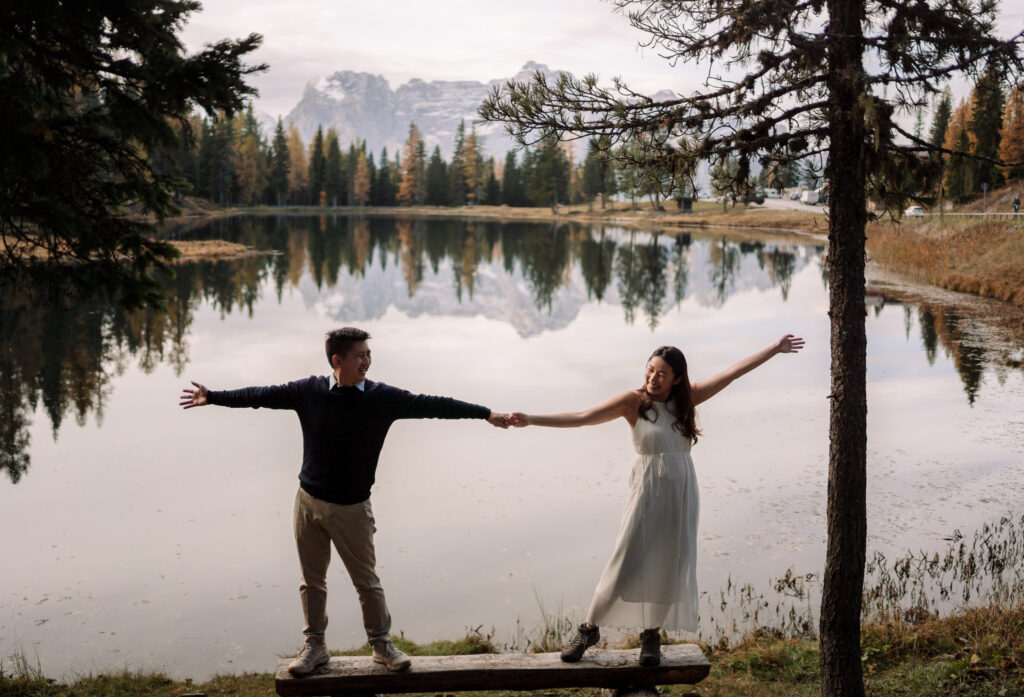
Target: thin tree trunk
<point>843,584</point>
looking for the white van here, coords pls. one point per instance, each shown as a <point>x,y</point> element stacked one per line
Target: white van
<point>809,196</point>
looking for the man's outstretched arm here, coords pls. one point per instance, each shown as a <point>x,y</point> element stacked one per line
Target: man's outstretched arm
<point>194,397</point>
<point>270,397</point>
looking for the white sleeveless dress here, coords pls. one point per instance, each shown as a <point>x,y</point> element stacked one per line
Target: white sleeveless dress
<point>651,579</point>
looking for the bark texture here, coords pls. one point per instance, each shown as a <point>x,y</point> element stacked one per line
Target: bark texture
<point>841,672</point>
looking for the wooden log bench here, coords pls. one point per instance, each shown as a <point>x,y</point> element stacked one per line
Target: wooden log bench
<point>358,676</point>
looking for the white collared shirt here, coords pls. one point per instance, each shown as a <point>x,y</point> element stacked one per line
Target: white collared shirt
<point>334,383</point>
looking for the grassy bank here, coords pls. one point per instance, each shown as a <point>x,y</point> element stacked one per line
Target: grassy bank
<point>978,653</point>
<point>643,216</point>
<point>196,250</point>
<point>969,255</point>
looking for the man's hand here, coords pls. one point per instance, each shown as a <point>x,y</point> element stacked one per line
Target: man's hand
<point>194,398</point>
<point>499,420</point>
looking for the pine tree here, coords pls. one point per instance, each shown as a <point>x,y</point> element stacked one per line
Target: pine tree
<point>437,193</point>
<point>218,161</point>
<point>280,166</point>
<point>87,90</point>
<point>958,179</point>
<point>384,193</point>
<point>317,169</point>
<point>940,119</point>
<point>456,170</point>
<point>335,186</point>
<point>512,182</point>
<point>986,121</point>
<point>492,185</point>
<point>598,174</point>
<point>937,138</point>
<point>546,173</point>
<point>1011,144</point>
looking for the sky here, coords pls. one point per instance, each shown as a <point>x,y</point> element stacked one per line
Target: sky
<point>445,40</point>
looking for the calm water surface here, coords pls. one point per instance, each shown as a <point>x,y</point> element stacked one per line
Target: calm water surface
<point>142,536</point>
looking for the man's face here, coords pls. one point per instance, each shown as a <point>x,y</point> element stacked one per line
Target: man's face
<point>351,368</point>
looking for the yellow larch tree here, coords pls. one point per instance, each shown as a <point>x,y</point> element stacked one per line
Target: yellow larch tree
<point>472,170</point>
<point>1011,145</point>
<point>412,183</point>
<point>298,175</point>
<point>361,181</point>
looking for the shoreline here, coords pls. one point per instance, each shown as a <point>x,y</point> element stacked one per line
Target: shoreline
<point>974,652</point>
<point>981,257</point>
<point>705,215</point>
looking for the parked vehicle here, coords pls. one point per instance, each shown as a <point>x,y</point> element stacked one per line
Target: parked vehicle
<point>772,193</point>
<point>914,212</point>
<point>809,196</point>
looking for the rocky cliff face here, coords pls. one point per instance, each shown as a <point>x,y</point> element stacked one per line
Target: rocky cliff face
<point>361,105</point>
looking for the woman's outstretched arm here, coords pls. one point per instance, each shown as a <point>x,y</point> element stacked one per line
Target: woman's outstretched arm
<point>624,405</point>
<point>706,389</point>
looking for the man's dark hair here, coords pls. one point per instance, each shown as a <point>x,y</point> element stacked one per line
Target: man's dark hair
<point>340,341</point>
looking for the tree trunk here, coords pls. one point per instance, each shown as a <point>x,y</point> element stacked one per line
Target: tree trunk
<point>843,582</point>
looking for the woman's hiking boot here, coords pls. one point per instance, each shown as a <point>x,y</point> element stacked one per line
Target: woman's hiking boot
<point>650,647</point>
<point>584,639</point>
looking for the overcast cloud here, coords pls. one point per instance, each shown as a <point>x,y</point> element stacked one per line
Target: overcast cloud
<point>444,40</point>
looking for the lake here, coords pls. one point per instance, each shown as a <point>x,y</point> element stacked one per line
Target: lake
<point>145,537</point>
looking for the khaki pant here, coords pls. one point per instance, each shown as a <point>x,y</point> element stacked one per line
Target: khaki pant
<point>318,523</point>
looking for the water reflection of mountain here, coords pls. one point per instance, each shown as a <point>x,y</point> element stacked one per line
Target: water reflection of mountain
<point>63,355</point>
<point>537,278</point>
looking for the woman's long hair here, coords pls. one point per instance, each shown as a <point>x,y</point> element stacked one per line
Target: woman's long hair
<point>684,409</point>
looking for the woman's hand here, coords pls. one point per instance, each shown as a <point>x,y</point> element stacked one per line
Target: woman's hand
<point>789,344</point>
<point>520,420</point>
<point>500,420</point>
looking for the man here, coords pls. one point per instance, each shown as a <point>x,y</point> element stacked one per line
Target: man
<point>344,419</point>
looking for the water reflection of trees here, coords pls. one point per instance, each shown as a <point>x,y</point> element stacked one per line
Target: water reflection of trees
<point>64,355</point>
<point>969,345</point>
<point>61,357</point>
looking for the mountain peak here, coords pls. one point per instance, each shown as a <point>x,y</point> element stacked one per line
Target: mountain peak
<point>363,106</point>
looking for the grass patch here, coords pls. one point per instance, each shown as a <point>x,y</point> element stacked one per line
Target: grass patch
<point>193,250</point>
<point>976,653</point>
<point>985,258</point>
<point>475,642</point>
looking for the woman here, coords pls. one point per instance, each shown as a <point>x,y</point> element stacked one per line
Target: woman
<point>651,579</point>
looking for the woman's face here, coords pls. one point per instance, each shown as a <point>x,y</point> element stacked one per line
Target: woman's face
<point>659,378</point>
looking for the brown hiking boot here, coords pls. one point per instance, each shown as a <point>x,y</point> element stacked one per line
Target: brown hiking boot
<point>584,639</point>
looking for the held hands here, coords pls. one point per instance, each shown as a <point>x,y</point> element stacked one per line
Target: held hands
<point>193,398</point>
<point>500,420</point>
<point>505,420</point>
<point>789,344</point>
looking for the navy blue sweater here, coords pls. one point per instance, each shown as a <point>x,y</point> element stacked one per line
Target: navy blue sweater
<point>343,429</point>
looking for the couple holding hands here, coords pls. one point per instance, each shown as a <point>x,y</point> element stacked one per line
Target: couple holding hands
<point>650,580</point>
